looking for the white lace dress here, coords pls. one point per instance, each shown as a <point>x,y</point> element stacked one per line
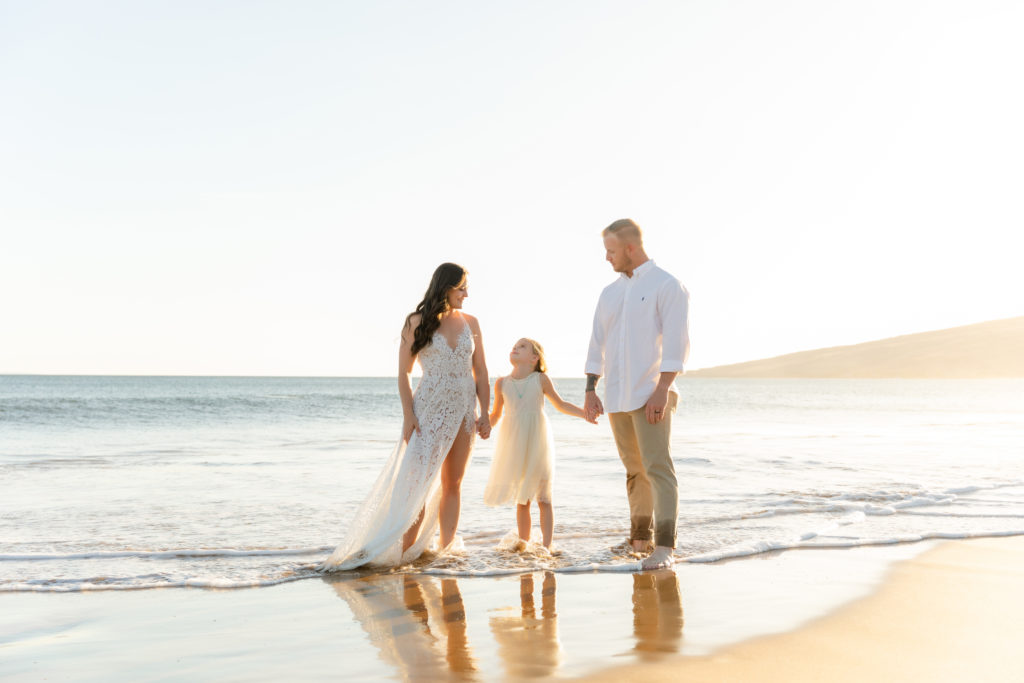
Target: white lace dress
<point>444,403</point>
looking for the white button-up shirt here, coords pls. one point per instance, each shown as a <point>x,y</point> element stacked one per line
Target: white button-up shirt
<point>641,329</point>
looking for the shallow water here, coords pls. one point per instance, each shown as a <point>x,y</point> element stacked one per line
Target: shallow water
<point>129,483</point>
<point>366,626</point>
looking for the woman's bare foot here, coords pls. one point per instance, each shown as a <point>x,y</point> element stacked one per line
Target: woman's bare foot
<point>661,558</point>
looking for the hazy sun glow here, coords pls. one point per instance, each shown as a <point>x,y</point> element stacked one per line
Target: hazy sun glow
<point>246,188</point>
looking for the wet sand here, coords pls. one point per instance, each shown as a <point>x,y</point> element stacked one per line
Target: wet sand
<point>953,614</point>
<point>796,615</point>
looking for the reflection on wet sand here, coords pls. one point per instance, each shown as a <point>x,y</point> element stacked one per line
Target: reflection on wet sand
<point>419,626</point>
<point>657,612</point>
<point>529,646</point>
<point>417,622</point>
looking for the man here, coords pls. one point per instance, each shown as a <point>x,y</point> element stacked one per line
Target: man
<point>639,345</point>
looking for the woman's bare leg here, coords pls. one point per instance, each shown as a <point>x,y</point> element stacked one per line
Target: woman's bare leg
<point>547,522</point>
<point>523,520</point>
<point>410,536</point>
<point>451,484</point>
<point>460,657</point>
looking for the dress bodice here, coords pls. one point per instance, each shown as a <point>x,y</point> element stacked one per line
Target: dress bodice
<point>447,385</point>
<point>524,394</point>
<point>440,358</point>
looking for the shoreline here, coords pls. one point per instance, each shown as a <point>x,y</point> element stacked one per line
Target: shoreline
<point>784,616</point>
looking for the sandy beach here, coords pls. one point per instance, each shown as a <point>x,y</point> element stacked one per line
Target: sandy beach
<point>912,612</point>
<point>952,614</point>
<point>231,227</point>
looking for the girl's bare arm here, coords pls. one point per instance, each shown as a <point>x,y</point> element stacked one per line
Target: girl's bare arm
<point>560,404</point>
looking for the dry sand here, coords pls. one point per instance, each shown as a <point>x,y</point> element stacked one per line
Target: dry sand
<point>956,613</point>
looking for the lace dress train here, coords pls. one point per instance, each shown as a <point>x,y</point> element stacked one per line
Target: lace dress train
<point>444,403</point>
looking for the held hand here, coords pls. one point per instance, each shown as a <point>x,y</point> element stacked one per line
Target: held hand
<point>656,406</point>
<point>483,426</point>
<point>592,407</point>
<point>408,425</point>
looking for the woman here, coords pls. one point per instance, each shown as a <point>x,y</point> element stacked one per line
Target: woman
<point>397,520</point>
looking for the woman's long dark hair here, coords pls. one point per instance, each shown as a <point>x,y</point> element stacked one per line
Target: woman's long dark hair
<point>447,277</point>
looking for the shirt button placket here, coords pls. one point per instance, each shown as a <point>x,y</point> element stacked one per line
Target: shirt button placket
<point>624,380</point>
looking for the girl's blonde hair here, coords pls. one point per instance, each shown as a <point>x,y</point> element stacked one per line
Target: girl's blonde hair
<point>542,364</point>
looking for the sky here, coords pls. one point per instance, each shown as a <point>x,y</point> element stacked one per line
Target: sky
<point>264,188</point>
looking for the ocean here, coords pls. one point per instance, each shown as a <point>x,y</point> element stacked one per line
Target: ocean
<point>114,483</point>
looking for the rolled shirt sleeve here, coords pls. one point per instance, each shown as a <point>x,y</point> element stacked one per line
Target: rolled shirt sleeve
<point>674,309</point>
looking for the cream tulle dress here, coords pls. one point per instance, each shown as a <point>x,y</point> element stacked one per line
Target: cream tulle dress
<point>523,465</point>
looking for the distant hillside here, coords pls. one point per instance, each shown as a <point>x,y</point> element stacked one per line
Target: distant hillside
<point>990,349</point>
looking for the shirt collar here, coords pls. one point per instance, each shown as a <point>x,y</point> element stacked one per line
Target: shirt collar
<point>639,271</point>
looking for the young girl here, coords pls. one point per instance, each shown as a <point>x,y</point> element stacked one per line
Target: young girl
<point>523,466</point>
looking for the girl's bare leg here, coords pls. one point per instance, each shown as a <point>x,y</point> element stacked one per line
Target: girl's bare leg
<point>410,536</point>
<point>547,522</point>
<point>452,470</point>
<point>523,520</point>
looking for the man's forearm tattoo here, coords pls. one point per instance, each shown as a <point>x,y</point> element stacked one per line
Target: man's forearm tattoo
<point>592,382</point>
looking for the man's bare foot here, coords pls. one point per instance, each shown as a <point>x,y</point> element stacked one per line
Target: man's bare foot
<point>661,558</point>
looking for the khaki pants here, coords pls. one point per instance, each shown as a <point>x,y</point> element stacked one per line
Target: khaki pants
<point>650,474</point>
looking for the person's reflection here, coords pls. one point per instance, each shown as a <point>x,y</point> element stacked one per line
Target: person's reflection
<point>529,646</point>
<point>460,659</point>
<point>657,611</point>
<point>417,622</point>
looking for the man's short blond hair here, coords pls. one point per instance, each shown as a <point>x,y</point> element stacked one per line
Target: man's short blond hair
<point>625,230</point>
